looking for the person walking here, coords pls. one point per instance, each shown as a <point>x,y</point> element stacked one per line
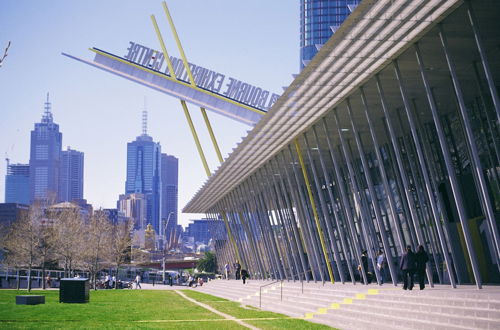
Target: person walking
<point>382,265</point>
<point>237,268</point>
<point>421,260</point>
<point>244,275</point>
<point>407,267</point>
<point>226,270</point>
<point>364,267</point>
<point>138,281</point>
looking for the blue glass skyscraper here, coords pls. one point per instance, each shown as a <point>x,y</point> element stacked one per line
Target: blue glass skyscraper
<point>71,175</point>
<point>45,154</point>
<point>169,198</point>
<point>17,184</point>
<point>143,174</point>
<point>319,19</point>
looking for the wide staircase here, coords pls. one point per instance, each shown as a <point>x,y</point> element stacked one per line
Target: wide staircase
<point>348,306</point>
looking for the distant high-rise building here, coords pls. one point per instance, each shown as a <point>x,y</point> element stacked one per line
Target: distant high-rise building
<point>169,192</point>
<point>45,154</point>
<point>143,173</point>
<point>17,184</point>
<point>71,175</point>
<point>319,19</point>
<point>134,206</point>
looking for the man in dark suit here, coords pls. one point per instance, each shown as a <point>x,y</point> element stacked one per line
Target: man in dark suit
<point>407,266</point>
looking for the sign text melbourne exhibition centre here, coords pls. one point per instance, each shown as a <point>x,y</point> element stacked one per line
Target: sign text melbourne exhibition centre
<point>204,78</point>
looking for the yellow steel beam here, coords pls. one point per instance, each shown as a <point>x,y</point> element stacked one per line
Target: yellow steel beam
<point>195,137</point>
<point>212,136</point>
<point>178,41</point>
<point>313,206</point>
<point>159,74</point>
<point>163,48</point>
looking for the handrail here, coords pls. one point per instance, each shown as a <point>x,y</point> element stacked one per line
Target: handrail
<point>260,291</point>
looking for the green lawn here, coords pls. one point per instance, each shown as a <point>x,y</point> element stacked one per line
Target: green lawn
<point>134,309</point>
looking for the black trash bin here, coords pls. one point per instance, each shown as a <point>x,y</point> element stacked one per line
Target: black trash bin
<point>74,290</point>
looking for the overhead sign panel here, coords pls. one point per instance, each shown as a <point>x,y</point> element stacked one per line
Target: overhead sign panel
<point>214,91</point>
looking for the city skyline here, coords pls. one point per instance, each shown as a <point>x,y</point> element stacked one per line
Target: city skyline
<point>99,112</point>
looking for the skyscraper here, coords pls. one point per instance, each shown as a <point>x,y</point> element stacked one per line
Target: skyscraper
<point>143,173</point>
<point>71,176</point>
<point>319,19</point>
<point>45,154</point>
<point>169,192</point>
<point>17,184</point>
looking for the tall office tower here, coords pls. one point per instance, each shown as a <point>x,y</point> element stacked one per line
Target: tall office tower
<point>17,184</point>
<point>71,176</point>
<point>319,19</point>
<point>45,153</point>
<point>169,193</point>
<point>143,173</point>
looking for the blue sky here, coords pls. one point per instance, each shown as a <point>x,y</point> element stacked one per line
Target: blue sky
<point>98,113</point>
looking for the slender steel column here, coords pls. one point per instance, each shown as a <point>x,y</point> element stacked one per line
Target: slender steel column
<point>267,232</point>
<point>319,230</point>
<point>406,186</point>
<point>484,59</point>
<point>477,168</point>
<point>332,203</point>
<point>357,198</point>
<point>345,201</point>
<point>459,203</point>
<point>325,212</point>
<point>307,218</point>
<point>281,206</point>
<point>296,234</point>
<point>373,195</point>
<point>445,150</point>
<point>383,174</point>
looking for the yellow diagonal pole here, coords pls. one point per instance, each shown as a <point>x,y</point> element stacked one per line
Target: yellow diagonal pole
<point>313,206</point>
<point>196,139</point>
<point>163,48</point>
<point>212,136</point>
<point>205,117</point>
<point>178,41</point>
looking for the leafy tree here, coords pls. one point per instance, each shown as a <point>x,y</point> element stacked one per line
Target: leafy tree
<point>208,263</point>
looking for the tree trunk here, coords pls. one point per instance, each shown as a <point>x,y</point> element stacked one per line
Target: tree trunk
<point>18,284</point>
<point>43,275</point>
<point>29,278</point>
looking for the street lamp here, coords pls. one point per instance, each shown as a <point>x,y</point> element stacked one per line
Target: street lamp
<point>164,239</point>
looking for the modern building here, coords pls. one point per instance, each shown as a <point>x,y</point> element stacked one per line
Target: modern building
<point>17,184</point>
<point>71,175</point>
<point>114,216</point>
<point>134,206</point>
<point>388,138</point>
<point>199,230</point>
<point>10,212</point>
<point>143,173</point>
<point>45,157</point>
<point>169,193</point>
<point>319,19</point>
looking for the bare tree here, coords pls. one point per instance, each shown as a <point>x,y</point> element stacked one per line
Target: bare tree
<point>97,241</point>
<point>5,53</point>
<point>22,240</point>
<point>69,235</point>
<point>121,244</point>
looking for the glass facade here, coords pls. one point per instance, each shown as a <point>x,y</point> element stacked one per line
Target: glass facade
<point>409,156</point>
<point>17,184</point>
<point>71,175</point>
<point>319,19</point>
<point>169,193</point>
<point>143,175</point>
<point>45,154</point>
